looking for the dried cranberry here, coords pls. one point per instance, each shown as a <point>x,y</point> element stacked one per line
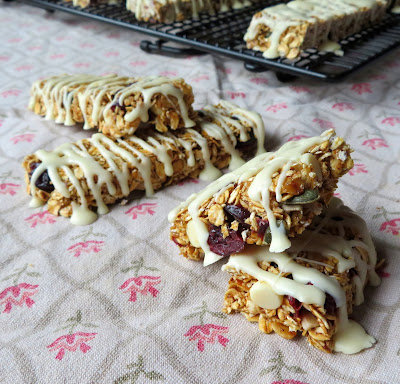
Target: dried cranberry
<point>262,227</point>
<point>233,243</point>
<point>117,104</point>
<point>175,241</point>
<point>238,213</point>
<point>247,148</point>
<point>43,182</point>
<point>330,304</point>
<point>295,304</point>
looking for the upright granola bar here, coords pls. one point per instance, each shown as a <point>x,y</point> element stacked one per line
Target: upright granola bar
<point>115,105</point>
<point>77,178</point>
<point>313,286</point>
<point>273,196</point>
<point>284,30</point>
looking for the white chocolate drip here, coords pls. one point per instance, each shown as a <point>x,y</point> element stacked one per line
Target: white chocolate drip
<point>350,336</point>
<point>259,171</point>
<point>85,173</point>
<point>145,9</point>
<point>58,93</point>
<point>281,17</point>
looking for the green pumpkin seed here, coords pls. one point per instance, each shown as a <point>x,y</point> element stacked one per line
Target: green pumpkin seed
<point>309,196</point>
<point>268,234</point>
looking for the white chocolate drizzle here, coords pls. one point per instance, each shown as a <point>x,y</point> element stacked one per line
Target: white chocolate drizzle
<point>58,92</point>
<point>350,336</point>
<point>146,9</point>
<point>281,17</point>
<point>85,173</point>
<point>259,171</point>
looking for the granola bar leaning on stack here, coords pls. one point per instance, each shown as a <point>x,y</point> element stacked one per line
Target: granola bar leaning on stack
<point>313,286</point>
<point>77,178</point>
<point>115,105</point>
<point>271,197</point>
<point>284,30</point>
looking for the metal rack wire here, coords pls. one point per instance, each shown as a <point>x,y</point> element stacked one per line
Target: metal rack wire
<point>223,34</point>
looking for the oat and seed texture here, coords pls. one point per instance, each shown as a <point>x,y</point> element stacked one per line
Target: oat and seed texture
<point>269,199</point>
<point>312,287</point>
<point>81,179</point>
<point>115,105</point>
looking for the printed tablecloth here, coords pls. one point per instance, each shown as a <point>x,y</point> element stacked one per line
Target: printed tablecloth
<point>113,302</point>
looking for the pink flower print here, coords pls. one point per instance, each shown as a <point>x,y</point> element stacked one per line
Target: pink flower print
<point>25,67</point>
<point>168,73</point>
<point>18,295</point>
<point>57,56</point>
<point>40,218</point>
<point>86,247</point>
<point>290,381</point>
<point>393,64</point>
<point>222,69</point>
<point>4,58</point>
<point>391,226</point>
<point>277,107</point>
<point>378,77</point>
<point>299,89</point>
<point>111,54</point>
<point>43,28</point>
<point>234,95</point>
<point>358,168</point>
<point>207,333</point>
<point>201,78</point>
<point>343,106</point>
<point>71,343</point>
<point>10,92</point>
<point>325,124</point>
<point>297,137</point>
<point>361,88</point>
<point>189,181</point>
<point>62,38</point>
<point>375,143</point>
<point>81,65</point>
<point>142,285</point>
<point>89,27</point>
<point>35,48</point>
<point>259,80</point>
<point>113,35</point>
<point>134,43</point>
<point>383,274</point>
<point>139,63</point>
<point>141,209</point>
<point>87,45</point>
<point>391,121</point>
<point>8,189</point>
<point>24,137</point>
<point>15,40</point>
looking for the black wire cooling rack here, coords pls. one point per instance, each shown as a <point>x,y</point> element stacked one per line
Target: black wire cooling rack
<point>223,34</point>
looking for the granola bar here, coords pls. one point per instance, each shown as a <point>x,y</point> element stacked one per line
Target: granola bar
<point>168,11</point>
<point>284,30</point>
<point>272,197</point>
<point>87,3</point>
<point>77,178</point>
<point>115,105</point>
<point>313,286</point>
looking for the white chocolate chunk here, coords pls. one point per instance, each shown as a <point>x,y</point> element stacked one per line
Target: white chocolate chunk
<point>264,296</point>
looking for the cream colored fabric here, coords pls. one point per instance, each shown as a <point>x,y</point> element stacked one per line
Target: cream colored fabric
<point>114,301</point>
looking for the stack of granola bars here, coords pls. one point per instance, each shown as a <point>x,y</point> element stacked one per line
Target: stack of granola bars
<point>298,258</point>
<point>149,137</point>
